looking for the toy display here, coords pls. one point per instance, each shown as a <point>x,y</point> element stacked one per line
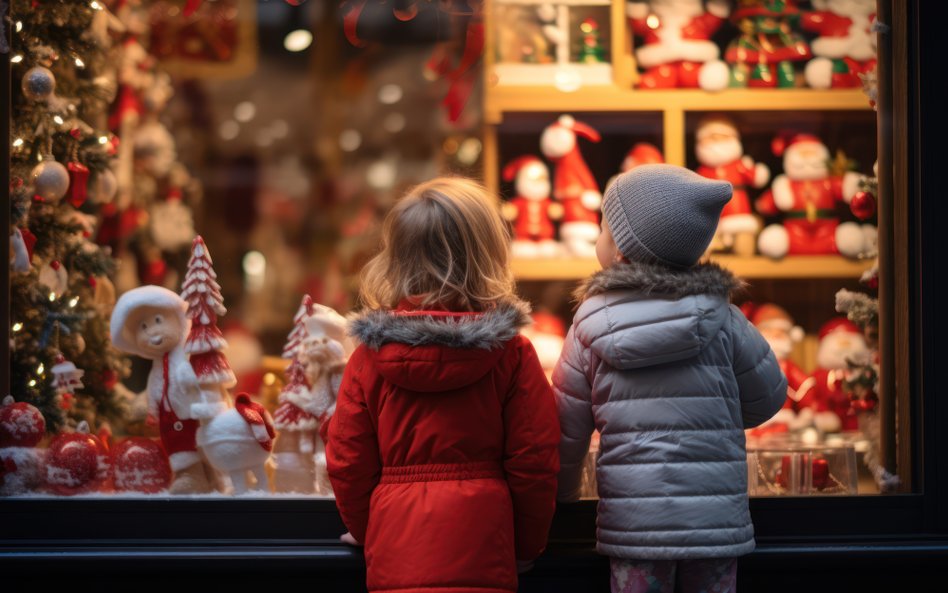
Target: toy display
<point>764,54</point>
<point>531,211</point>
<point>846,46</point>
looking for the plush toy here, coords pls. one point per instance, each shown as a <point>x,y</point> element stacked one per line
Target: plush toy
<point>531,211</point>
<point>846,46</point>
<point>150,322</point>
<point>719,150</point>
<point>764,53</point>
<point>841,342</point>
<point>776,326</point>
<point>677,50</point>
<point>806,194</point>
<point>573,184</point>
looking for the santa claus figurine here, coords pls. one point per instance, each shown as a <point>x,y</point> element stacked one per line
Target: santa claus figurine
<point>532,212</point>
<point>677,50</point>
<point>806,194</point>
<point>641,153</point>
<point>719,150</point>
<point>573,184</point>
<point>846,46</point>
<point>776,326</point>
<point>841,340</point>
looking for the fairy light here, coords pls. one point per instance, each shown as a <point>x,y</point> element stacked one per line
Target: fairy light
<point>73,302</point>
<point>40,369</point>
<point>95,5</point>
<point>16,59</point>
<point>58,119</point>
<point>52,297</point>
<point>18,143</point>
<point>19,26</point>
<point>103,140</point>
<point>32,383</point>
<point>17,326</point>
<point>80,63</point>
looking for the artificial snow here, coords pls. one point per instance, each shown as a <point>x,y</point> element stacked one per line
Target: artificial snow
<point>23,424</point>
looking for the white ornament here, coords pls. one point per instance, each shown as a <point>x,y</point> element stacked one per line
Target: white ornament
<point>38,83</point>
<point>54,277</point>
<point>50,179</point>
<point>172,226</point>
<point>68,378</point>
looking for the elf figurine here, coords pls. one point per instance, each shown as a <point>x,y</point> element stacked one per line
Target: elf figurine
<point>846,46</point>
<point>573,184</point>
<point>721,154</point>
<point>763,55</point>
<point>677,50</point>
<point>150,322</point>
<point>806,194</point>
<point>841,342</point>
<point>531,211</point>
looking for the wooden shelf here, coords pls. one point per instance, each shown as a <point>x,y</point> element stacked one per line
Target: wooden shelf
<point>797,267</point>
<point>502,98</point>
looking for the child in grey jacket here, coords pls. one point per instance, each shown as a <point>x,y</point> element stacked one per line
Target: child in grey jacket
<point>670,373</point>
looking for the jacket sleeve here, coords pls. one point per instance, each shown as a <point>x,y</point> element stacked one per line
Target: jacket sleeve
<point>574,401</point>
<point>763,386</point>
<point>352,453</point>
<point>531,460</point>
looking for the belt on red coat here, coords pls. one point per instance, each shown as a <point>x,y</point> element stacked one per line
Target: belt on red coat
<point>820,214</point>
<point>440,472</point>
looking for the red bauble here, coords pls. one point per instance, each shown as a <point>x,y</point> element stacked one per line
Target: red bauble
<point>21,425</point>
<point>76,462</point>
<point>821,474</point>
<point>140,464</point>
<point>863,205</point>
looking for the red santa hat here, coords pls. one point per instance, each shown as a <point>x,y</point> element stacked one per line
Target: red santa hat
<point>785,142</point>
<point>839,324</point>
<point>642,153</point>
<point>580,129</point>
<point>145,296</point>
<point>514,167</point>
<point>769,315</point>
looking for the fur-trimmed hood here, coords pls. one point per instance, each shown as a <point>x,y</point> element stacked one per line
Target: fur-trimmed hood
<point>662,281</point>
<point>487,331</point>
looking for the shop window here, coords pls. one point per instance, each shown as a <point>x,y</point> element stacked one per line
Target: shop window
<point>242,155</point>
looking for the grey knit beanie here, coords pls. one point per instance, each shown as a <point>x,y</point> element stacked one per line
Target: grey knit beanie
<point>664,214</point>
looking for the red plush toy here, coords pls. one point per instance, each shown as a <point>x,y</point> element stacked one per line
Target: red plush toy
<point>531,210</point>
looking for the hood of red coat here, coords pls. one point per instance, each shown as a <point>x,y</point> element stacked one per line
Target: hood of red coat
<point>437,351</point>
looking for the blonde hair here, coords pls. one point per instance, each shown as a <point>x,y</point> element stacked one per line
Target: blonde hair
<point>445,243</point>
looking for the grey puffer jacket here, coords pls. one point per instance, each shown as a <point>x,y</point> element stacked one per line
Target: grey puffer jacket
<point>670,374</point>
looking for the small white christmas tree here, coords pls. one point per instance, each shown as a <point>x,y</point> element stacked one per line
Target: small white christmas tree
<point>205,342</point>
<point>298,333</point>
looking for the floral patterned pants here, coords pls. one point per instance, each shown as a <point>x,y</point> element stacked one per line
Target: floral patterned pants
<point>713,575</point>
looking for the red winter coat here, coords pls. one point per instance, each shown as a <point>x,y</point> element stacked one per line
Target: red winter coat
<point>443,449</point>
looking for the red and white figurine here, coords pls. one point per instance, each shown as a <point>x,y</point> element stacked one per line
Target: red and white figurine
<point>531,211</point>
<point>840,341</point>
<point>806,195</point>
<point>573,184</point>
<point>677,50</point>
<point>721,154</point>
<point>22,427</point>
<point>846,46</point>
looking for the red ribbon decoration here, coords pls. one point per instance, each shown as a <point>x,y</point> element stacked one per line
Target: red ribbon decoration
<point>351,20</point>
<point>78,183</point>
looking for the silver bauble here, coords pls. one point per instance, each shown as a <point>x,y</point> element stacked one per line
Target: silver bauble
<point>50,179</point>
<point>38,83</point>
<point>106,186</point>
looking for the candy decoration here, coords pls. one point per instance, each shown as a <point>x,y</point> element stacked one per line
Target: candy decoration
<point>140,464</point>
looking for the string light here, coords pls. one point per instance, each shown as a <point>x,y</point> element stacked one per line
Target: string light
<point>58,119</point>
<point>40,369</point>
<point>95,5</point>
<point>16,59</point>
<point>80,63</point>
<point>18,143</point>
<point>17,326</point>
<point>73,301</point>
<point>103,140</point>
<point>19,26</point>
<point>52,297</point>
<point>32,383</point>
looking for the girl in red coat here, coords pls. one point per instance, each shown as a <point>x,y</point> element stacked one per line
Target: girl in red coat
<point>443,448</point>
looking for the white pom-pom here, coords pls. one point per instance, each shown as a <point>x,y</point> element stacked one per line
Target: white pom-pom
<point>850,240</point>
<point>819,73</point>
<point>713,76</point>
<point>773,241</point>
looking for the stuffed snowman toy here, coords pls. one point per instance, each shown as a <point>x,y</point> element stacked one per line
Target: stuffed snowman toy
<point>846,46</point>
<point>531,211</point>
<point>806,194</point>
<point>677,50</point>
<point>721,154</point>
<point>573,184</point>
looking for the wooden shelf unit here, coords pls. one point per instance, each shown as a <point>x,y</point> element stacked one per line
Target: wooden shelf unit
<point>792,267</point>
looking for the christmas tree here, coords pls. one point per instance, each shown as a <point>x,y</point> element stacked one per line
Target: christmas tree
<point>61,178</point>
<point>591,50</point>
<point>298,333</point>
<point>205,342</point>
